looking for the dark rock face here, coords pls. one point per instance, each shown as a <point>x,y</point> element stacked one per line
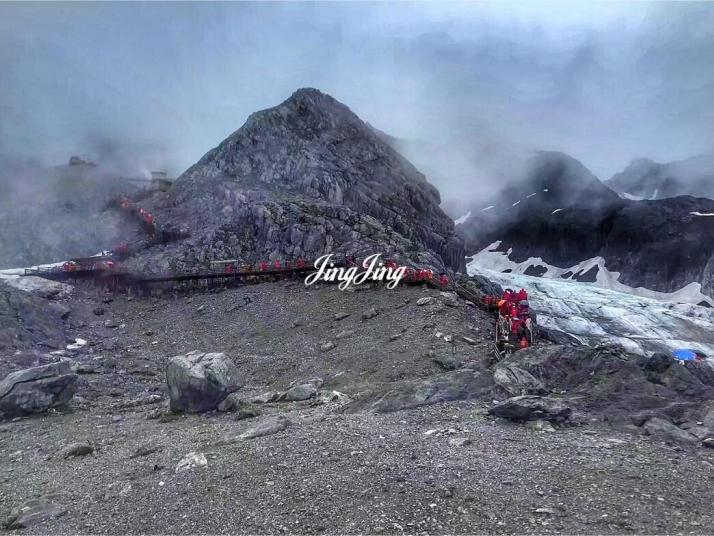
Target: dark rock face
<point>306,178</point>
<point>26,319</point>
<point>36,390</point>
<point>646,179</point>
<point>530,408</point>
<point>561,213</point>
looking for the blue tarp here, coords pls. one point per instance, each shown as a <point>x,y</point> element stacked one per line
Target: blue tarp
<point>685,355</point>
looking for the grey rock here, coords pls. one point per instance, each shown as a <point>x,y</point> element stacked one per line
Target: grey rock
<point>33,512</point>
<point>450,299</point>
<point>99,311</point>
<point>516,381</point>
<point>246,411</point>
<point>342,315</point>
<point>531,407</point>
<point>344,334</point>
<point>369,313</point>
<point>192,460</point>
<point>111,323</point>
<point>145,450</point>
<point>326,397</point>
<point>424,301</point>
<point>241,407</point>
<point>446,362</point>
<point>541,426</point>
<point>37,389</point>
<point>708,442</point>
<point>299,392</point>
<point>75,450</point>
<point>327,346</point>
<point>199,381</point>
<point>665,430</point>
<point>266,428</point>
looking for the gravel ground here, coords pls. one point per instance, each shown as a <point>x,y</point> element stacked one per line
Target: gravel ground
<point>447,468</point>
<point>332,473</point>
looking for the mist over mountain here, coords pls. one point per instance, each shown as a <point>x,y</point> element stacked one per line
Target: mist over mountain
<point>645,179</point>
<point>50,214</point>
<point>467,81</point>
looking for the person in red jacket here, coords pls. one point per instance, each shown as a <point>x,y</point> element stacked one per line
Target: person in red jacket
<point>522,295</point>
<point>509,296</point>
<point>443,280</point>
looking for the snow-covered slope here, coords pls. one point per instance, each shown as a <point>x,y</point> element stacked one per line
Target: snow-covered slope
<point>589,271</point>
<point>595,315</point>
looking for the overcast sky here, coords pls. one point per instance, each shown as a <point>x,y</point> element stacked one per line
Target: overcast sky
<point>157,85</point>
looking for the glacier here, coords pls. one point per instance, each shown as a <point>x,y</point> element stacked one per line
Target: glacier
<point>594,315</point>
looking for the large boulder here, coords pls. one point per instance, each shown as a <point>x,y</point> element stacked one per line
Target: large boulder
<point>35,390</point>
<point>530,407</point>
<point>199,381</point>
<point>666,431</point>
<point>516,381</point>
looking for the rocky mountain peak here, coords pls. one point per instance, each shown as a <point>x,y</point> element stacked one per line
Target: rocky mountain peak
<point>312,155</point>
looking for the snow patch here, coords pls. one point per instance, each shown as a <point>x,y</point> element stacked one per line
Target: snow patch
<point>487,208</point>
<point>514,204</point>
<point>77,344</point>
<point>631,197</point>
<point>531,195</point>
<point>463,218</point>
<point>556,211</point>
<point>14,277</point>
<point>701,214</point>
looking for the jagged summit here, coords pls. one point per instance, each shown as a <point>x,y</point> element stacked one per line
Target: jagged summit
<point>308,177</point>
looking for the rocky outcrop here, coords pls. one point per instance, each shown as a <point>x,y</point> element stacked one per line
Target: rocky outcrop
<point>36,390</point>
<point>531,408</point>
<point>302,179</point>
<point>516,381</point>
<point>665,430</point>
<point>462,384</point>
<point>27,319</point>
<point>199,382</point>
